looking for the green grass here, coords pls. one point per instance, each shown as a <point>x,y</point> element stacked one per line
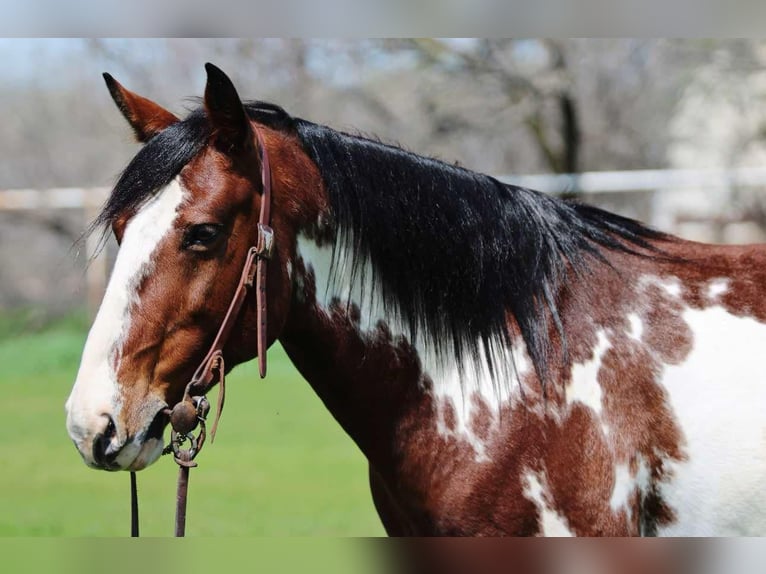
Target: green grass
<point>280,466</point>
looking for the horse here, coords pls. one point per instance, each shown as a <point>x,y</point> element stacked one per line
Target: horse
<point>508,362</point>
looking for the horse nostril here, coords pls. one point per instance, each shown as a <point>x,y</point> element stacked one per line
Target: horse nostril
<point>104,449</point>
<point>110,429</point>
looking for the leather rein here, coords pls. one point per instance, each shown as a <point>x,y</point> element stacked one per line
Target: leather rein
<point>193,408</point>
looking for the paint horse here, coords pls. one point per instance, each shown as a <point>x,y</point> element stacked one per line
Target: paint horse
<point>509,363</point>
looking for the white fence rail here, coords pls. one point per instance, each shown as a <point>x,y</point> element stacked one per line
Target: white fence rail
<point>54,198</point>
<point>642,180</point>
<point>90,199</point>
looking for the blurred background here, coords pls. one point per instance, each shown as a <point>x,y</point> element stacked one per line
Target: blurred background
<point>672,132</point>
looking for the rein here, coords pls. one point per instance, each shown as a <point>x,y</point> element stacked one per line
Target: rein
<point>193,408</point>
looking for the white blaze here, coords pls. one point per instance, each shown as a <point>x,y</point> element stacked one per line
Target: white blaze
<point>96,393</point>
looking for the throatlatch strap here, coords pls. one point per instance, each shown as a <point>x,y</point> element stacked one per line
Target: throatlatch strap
<point>264,249</point>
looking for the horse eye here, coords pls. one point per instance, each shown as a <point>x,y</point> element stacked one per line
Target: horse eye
<point>201,237</point>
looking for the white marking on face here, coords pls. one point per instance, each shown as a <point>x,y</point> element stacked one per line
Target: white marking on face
<point>551,522</point>
<point>584,386</point>
<point>717,287</point>
<point>455,385</point>
<point>96,393</point>
<point>718,396</point>
<point>636,327</point>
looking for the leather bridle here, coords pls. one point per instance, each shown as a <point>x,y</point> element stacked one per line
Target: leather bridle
<point>192,410</point>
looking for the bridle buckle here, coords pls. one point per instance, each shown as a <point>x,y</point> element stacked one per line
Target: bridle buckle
<point>265,246</point>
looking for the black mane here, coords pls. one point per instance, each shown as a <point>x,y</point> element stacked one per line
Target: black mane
<point>451,250</point>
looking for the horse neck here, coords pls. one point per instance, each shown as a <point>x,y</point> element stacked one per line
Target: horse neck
<point>349,362</point>
<point>385,391</point>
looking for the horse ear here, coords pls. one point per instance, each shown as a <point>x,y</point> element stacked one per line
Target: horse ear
<point>226,112</point>
<point>145,117</point>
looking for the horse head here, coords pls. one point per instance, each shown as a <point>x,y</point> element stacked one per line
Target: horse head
<point>184,214</point>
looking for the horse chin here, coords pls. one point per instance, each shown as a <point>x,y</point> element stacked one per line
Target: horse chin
<point>150,451</point>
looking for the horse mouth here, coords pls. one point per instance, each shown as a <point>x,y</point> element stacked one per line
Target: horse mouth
<point>138,452</point>
<point>151,446</point>
<point>156,428</point>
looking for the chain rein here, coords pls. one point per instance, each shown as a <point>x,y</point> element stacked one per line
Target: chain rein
<point>193,408</point>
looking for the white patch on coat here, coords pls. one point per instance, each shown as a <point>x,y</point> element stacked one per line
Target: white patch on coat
<point>551,522</point>
<point>671,285</point>
<point>624,487</point>
<point>456,383</point>
<point>584,386</point>
<point>718,397</point>
<point>462,386</point>
<point>717,287</point>
<point>96,394</point>
<point>636,327</point>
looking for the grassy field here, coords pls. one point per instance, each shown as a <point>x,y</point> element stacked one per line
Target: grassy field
<point>280,465</point>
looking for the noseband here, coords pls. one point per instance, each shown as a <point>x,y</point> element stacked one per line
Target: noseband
<point>192,410</point>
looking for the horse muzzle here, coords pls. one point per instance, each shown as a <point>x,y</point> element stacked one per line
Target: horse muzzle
<point>105,444</point>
